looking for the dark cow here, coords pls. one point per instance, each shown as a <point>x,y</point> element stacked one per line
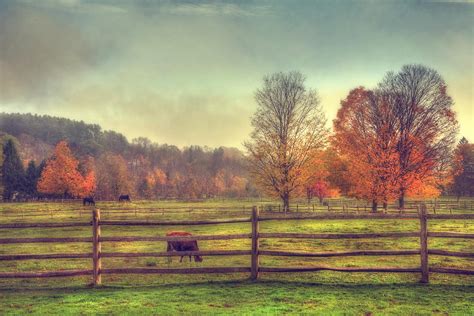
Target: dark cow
<point>88,201</point>
<point>185,245</point>
<point>124,198</point>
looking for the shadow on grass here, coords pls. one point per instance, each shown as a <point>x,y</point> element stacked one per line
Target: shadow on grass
<point>233,284</point>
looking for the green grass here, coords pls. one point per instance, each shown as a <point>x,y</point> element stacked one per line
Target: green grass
<point>243,297</point>
<point>315,293</point>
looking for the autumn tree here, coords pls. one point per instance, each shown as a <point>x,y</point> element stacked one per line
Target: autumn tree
<point>112,175</point>
<point>61,175</point>
<point>287,127</point>
<point>218,183</point>
<point>237,186</point>
<point>365,136</point>
<point>153,185</point>
<point>425,123</point>
<point>89,183</point>
<point>13,174</point>
<point>339,175</point>
<point>316,175</point>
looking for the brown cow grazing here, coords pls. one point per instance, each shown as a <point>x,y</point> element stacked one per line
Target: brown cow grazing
<point>184,245</point>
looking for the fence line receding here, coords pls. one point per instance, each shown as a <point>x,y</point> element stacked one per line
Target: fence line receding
<point>254,252</point>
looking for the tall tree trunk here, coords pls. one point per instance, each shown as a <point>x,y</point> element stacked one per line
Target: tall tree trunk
<point>286,202</point>
<point>401,199</point>
<point>374,206</point>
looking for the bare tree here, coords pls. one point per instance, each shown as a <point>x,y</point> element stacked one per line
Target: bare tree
<point>287,127</point>
<point>426,123</point>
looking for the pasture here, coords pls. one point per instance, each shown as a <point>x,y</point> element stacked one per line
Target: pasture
<point>315,292</point>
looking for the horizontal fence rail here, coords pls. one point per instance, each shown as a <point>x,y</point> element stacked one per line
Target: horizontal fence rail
<point>337,236</point>
<point>340,269</point>
<point>450,253</point>
<point>50,274</point>
<point>173,223</point>
<point>340,254</point>
<point>363,216</point>
<point>175,254</point>
<point>176,270</point>
<point>450,235</point>
<point>43,240</point>
<point>45,256</point>
<point>254,252</point>
<point>43,225</point>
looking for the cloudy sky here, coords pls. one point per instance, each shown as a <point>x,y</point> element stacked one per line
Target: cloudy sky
<point>184,72</point>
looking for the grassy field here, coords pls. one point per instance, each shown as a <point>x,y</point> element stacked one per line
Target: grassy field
<point>314,293</point>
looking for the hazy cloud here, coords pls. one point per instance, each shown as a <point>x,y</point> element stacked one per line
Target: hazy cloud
<point>184,72</point>
<point>186,7</point>
<point>38,52</point>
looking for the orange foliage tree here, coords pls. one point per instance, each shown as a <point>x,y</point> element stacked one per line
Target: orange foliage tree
<point>425,126</point>
<point>61,175</point>
<point>365,138</point>
<point>317,175</point>
<point>153,184</point>
<point>113,178</point>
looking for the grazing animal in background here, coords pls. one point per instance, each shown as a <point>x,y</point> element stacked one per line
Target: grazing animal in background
<point>184,245</point>
<point>88,201</point>
<point>124,198</point>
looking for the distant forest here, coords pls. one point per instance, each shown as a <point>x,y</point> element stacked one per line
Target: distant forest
<point>140,168</point>
<point>383,147</point>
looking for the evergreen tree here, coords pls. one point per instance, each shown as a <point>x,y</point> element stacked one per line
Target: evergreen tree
<point>13,174</point>
<point>31,179</point>
<point>463,184</point>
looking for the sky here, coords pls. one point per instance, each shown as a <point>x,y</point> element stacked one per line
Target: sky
<point>185,72</point>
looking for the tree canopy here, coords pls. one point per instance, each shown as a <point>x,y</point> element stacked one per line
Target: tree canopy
<point>288,127</point>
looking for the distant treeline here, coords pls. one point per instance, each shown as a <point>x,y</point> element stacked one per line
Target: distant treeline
<point>50,157</point>
<point>141,168</point>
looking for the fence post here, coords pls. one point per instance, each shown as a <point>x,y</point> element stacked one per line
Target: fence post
<point>96,247</point>
<point>255,244</point>
<point>424,245</point>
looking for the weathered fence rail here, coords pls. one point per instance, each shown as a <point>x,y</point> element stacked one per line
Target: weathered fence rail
<point>254,252</point>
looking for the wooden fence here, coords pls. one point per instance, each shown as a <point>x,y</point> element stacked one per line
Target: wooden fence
<point>255,235</point>
<point>330,205</point>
